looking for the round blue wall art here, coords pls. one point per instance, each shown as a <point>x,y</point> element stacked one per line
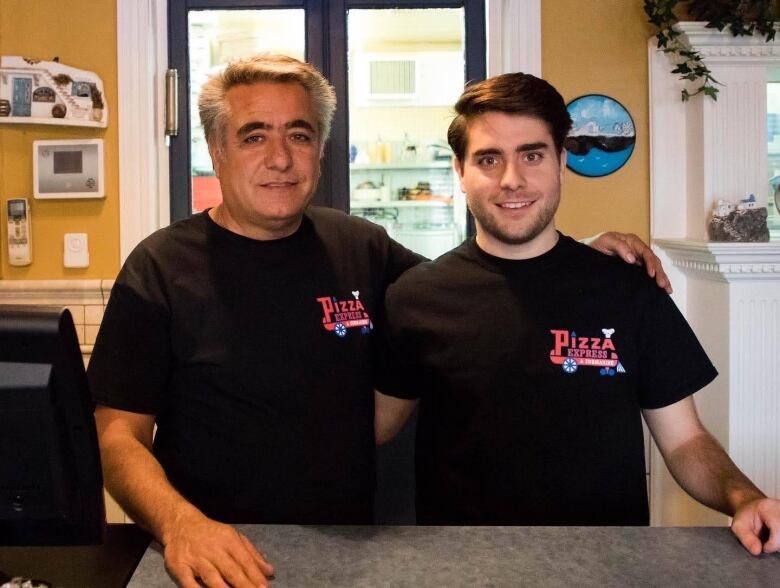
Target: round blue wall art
<point>602,137</point>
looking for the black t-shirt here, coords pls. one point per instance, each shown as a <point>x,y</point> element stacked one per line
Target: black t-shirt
<point>531,376</point>
<point>257,359</point>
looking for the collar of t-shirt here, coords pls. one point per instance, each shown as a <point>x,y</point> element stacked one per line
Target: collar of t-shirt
<point>543,262</point>
<point>296,239</point>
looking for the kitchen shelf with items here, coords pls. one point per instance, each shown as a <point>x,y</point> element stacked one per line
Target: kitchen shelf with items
<point>414,195</point>
<point>362,205</point>
<point>398,165</point>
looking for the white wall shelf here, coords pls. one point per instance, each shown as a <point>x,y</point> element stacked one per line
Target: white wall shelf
<point>62,122</point>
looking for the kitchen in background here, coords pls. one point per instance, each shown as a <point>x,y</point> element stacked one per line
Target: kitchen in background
<point>406,70</point>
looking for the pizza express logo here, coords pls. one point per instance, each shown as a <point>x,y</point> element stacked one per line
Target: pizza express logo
<point>338,316</point>
<point>572,352</point>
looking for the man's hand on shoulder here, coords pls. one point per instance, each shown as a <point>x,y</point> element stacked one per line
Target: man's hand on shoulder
<point>757,525</point>
<point>632,249</point>
<point>197,547</point>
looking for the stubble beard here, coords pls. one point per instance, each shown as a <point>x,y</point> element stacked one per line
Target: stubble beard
<point>489,223</point>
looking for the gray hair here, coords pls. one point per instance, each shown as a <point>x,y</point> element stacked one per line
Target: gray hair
<point>213,106</point>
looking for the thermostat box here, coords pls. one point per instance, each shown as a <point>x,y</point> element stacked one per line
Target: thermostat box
<point>68,169</point>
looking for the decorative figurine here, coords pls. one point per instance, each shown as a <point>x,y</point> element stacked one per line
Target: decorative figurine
<point>743,223</point>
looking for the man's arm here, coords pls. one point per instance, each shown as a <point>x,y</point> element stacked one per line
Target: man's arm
<point>195,546</point>
<point>631,249</point>
<point>390,414</point>
<point>705,471</point>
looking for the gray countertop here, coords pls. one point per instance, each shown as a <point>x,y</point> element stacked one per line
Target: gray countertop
<point>497,556</point>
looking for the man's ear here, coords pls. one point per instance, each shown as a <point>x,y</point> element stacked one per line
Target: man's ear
<point>216,160</point>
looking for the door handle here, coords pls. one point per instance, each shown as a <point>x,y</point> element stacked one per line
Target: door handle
<point>172,103</point>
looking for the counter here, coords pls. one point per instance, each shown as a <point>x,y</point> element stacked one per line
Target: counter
<point>497,556</point>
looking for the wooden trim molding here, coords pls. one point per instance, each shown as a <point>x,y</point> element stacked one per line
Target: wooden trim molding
<point>63,292</point>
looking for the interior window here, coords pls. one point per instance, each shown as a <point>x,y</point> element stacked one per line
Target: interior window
<point>217,37</point>
<point>405,71</point>
<point>773,150</point>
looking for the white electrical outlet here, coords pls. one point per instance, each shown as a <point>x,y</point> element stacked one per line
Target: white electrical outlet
<point>76,251</point>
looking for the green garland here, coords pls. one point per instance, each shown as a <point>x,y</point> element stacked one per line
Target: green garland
<point>742,17</point>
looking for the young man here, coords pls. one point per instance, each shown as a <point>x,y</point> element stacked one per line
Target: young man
<point>222,331</point>
<point>535,357</point>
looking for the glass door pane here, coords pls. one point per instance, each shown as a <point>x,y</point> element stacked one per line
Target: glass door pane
<point>406,69</point>
<point>216,37</point>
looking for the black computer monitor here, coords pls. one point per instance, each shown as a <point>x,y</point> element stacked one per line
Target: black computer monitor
<point>51,486</point>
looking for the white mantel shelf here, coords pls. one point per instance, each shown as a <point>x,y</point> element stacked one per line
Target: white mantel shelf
<point>724,262</point>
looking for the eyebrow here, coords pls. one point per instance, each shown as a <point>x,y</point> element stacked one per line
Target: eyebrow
<point>298,123</point>
<point>519,149</point>
<point>532,146</point>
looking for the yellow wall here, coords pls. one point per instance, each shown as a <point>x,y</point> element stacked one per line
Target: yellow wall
<point>588,46</point>
<point>600,47</point>
<point>83,34</point>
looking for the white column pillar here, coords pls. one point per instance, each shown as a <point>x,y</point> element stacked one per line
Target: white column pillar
<point>733,304</point>
<point>702,151</point>
<point>733,142</point>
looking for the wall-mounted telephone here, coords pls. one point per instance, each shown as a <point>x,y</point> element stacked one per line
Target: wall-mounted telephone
<point>19,232</point>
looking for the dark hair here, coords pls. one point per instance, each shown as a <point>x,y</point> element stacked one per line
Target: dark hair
<point>513,93</point>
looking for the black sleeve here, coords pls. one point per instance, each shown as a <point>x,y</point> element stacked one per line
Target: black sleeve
<point>398,260</point>
<point>389,364</point>
<point>130,363</point>
<point>396,372</point>
<point>673,364</point>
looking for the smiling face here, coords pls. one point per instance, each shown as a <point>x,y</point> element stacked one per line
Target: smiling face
<point>512,177</point>
<point>269,161</point>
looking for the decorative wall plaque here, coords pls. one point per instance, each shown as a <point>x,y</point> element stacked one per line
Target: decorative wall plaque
<point>49,92</point>
<point>602,137</point>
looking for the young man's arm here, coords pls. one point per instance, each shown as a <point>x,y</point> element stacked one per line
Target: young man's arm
<point>390,414</point>
<point>195,546</point>
<point>705,471</point>
<point>631,249</point>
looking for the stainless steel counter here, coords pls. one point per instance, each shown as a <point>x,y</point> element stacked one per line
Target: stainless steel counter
<point>497,556</point>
